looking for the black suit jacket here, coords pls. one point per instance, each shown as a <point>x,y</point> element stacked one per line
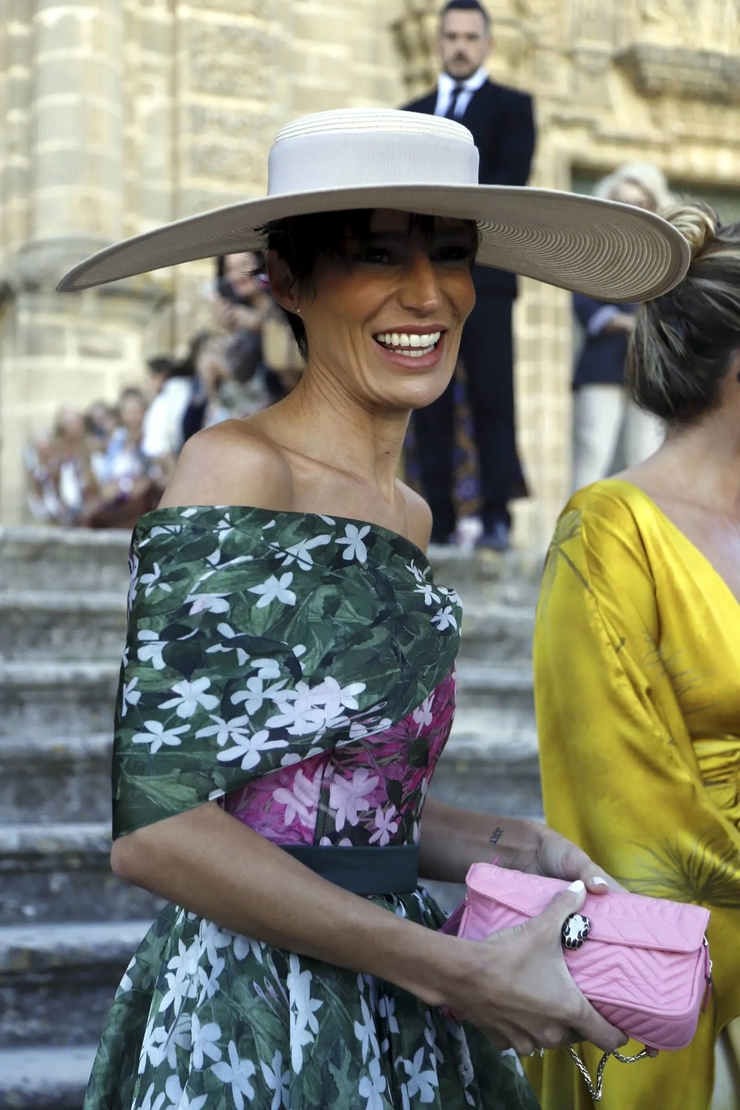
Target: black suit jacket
<point>502,123</point>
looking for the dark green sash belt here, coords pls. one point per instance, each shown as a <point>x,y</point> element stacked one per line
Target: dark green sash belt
<point>363,870</point>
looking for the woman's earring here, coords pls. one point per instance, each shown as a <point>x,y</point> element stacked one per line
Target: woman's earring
<point>297,311</point>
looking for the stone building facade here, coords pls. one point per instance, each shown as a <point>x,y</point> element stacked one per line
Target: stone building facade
<point>118,115</point>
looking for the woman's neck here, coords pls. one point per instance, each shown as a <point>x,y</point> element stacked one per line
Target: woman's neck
<point>330,427</point>
<point>700,464</point>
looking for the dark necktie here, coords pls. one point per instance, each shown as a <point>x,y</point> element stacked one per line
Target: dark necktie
<point>450,113</point>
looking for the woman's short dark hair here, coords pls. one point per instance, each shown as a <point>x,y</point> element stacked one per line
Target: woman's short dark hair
<point>684,340</point>
<point>300,240</point>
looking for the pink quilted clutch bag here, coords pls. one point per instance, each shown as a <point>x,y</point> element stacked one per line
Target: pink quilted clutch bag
<point>643,963</point>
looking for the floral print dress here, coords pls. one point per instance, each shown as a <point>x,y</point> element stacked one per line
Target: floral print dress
<point>300,670</point>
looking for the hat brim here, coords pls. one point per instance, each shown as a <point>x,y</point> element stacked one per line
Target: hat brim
<point>610,251</point>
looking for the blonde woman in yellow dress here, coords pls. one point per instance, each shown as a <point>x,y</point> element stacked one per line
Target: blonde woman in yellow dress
<point>637,667</point>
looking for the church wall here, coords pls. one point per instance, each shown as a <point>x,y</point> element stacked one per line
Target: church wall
<point>121,114</point>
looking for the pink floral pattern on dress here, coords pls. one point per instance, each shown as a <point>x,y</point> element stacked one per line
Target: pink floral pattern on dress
<point>367,790</point>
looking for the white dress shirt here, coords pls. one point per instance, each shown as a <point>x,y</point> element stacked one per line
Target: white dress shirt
<point>446,85</point>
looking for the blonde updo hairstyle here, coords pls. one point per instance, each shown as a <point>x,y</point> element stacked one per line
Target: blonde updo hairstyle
<point>683,341</point>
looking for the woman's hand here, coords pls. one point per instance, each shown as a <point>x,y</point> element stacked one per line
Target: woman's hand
<point>516,987</point>
<point>551,854</point>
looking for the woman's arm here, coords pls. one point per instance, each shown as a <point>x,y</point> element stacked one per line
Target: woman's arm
<point>453,839</point>
<point>514,986</point>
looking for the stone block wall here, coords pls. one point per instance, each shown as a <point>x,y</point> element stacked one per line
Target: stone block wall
<point>118,115</point>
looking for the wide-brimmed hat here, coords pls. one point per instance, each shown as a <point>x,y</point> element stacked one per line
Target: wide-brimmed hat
<point>350,159</point>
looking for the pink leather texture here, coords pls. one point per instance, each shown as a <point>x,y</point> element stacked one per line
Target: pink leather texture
<point>644,966</point>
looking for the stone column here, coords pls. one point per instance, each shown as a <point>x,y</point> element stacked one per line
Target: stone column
<point>68,348</point>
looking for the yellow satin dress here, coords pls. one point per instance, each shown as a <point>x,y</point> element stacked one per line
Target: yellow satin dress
<point>637,689</point>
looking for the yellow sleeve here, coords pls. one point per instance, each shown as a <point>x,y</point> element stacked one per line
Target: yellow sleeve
<point>620,779</point>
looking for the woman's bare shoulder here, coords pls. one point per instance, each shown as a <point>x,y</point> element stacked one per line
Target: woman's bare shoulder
<point>419,516</point>
<point>232,463</point>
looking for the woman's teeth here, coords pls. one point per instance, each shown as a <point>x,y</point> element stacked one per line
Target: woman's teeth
<point>409,343</point>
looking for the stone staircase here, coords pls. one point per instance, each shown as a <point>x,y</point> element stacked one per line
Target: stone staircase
<point>68,927</point>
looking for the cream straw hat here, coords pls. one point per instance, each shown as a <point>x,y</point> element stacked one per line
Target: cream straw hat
<point>371,158</point>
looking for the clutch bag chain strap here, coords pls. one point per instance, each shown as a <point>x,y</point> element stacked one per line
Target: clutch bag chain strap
<point>596,1089</point>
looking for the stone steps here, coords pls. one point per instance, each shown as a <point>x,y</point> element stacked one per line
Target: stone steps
<point>50,1078</point>
<point>68,926</point>
<point>59,558</point>
<point>62,872</point>
<point>59,625</point>
<point>57,982</point>
<point>71,778</point>
<point>49,698</point>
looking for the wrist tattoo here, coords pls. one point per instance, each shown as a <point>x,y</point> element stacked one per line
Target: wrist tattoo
<point>497,834</point>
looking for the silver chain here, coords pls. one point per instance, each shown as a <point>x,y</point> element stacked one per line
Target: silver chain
<point>596,1089</point>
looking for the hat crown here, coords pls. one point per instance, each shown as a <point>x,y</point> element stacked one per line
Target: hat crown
<point>376,120</point>
<point>360,148</point>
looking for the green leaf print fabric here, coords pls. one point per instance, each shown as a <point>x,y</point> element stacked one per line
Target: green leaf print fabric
<point>260,645</point>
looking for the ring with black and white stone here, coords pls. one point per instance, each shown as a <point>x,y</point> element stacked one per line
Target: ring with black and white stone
<point>576,929</point>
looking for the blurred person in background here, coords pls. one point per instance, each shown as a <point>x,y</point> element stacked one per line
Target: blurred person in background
<point>502,124</point>
<point>42,472</point>
<point>125,489</point>
<point>72,450</point>
<point>171,385</point>
<point>604,416</point>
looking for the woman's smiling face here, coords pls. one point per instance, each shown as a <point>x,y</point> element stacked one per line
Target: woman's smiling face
<point>384,317</point>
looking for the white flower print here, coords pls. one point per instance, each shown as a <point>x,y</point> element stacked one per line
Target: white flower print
<point>147,1104</point>
<point>212,939</point>
<point>300,552</point>
<point>178,1037</point>
<point>151,1045</point>
<point>358,730</point>
<point>303,1022</point>
<point>224,730</point>
<point>427,589</point>
<point>385,826</point>
<point>387,1010</point>
<point>430,1036</point>
<point>423,715</point>
<point>151,581</point>
<point>353,537</point>
<point>277,1080</point>
<point>244,945</point>
<point>413,569</point>
<point>228,633</point>
<point>250,749</point>
<point>371,1087</point>
<point>152,649</point>
<point>267,669</point>
<point>365,1032</point>
<point>189,696</point>
<point>179,1100</point>
<point>129,696</point>
<point>209,984</point>
<point>445,619</point>
<point>301,801</point>
<point>181,976</point>
<point>256,693</point>
<point>205,1040</point>
<point>517,1061</point>
<point>335,697</point>
<point>133,566</point>
<point>207,603</point>
<point>349,797</point>
<point>420,1081</point>
<point>238,1073</point>
<point>157,735</point>
<point>275,589</point>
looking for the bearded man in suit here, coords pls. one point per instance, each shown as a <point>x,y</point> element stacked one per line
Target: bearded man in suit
<point>502,125</point>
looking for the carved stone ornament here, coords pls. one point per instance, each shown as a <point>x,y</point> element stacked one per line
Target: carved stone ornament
<point>677,71</point>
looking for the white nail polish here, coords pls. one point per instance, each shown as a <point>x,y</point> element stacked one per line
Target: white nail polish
<point>598,881</point>
<point>577,886</point>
